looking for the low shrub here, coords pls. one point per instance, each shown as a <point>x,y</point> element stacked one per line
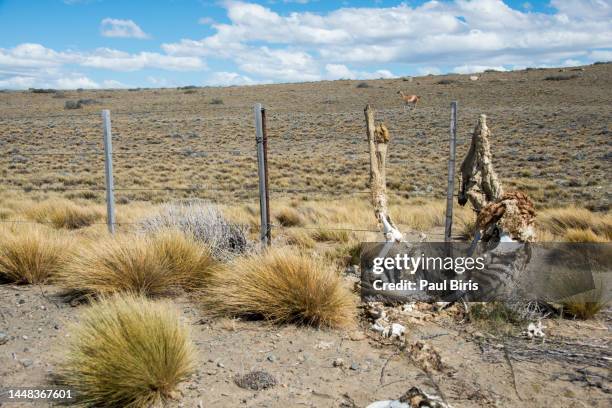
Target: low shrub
<point>127,352</point>
<point>205,223</point>
<point>216,101</point>
<point>561,77</point>
<point>586,305</point>
<point>150,266</point>
<point>289,217</point>
<point>32,255</point>
<point>72,105</point>
<point>63,214</point>
<point>446,81</point>
<point>363,85</point>
<point>281,286</point>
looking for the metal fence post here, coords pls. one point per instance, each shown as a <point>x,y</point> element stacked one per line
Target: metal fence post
<point>108,170</point>
<point>261,167</point>
<point>265,149</point>
<point>451,174</point>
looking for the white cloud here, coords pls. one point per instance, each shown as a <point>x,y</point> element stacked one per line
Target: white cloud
<point>340,71</point>
<point>462,33</point>
<point>113,27</point>
<point>115,60</point>
<point>113,84</point>
<point>471,69</point>
<point>229,78</point>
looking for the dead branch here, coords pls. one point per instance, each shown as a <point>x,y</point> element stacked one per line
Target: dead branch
<point>378,138</point>
<point>479,182</point>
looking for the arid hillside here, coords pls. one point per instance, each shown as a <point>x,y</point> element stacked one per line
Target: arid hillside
<point>550,137</point>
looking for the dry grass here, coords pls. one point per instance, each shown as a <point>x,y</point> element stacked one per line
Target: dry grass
<point>151,266</point>
<point>63,214</point>
<point>582,235</point>
<point>32,254</point>
<point>586,305</point>
<point>289,217</point>
<point>281,286</point>
<point>127,352</point>
<point>559,221</point>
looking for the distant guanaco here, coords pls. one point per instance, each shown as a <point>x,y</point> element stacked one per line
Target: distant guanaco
<point>409,99</point>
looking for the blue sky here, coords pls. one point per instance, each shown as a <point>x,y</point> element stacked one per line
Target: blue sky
<point>137,43</point>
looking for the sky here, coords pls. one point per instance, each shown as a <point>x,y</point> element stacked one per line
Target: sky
<point>67,44</point>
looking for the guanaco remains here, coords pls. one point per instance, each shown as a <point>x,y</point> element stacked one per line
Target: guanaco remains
<point>409,99</point>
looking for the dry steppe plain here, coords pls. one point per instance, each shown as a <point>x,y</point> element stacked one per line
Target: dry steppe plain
<point>550,138</point>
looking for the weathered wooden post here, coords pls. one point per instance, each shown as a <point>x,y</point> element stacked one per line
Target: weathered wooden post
<point>108,170</point>
<point>451,174</point>
<point>264,211</point>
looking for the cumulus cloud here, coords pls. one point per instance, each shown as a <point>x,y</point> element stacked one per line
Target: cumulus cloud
<point>113,27</point>
<point>229,78</point>
<point>466,34</point>
<point>262,45</point>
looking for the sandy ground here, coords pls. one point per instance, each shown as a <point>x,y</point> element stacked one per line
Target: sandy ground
<point>476,373</point>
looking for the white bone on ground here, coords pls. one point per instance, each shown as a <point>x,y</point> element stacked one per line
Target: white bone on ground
<point>391,233</point>
<point>397,330</point>
<point>377,327</point>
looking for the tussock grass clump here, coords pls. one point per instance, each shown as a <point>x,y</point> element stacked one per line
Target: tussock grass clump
<point>281,286</point>
<point>289,217</point>
<point>587,304</point>
<point>495,317</point>
<point>149,266</point>
<point>559,220</point>
<point>63,214</point>
<point>582,235</point>
<point>127,351</point>
<point>32,255</point>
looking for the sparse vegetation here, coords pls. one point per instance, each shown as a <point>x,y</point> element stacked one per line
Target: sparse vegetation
<point>495,317</point>
<point>32,254</point>
<point>561,77</point>
<point>148,266</point>
<point>282,286</point>
<point>216,101</point>
<point>202,221</point>
<point>363,85</point>
<point>63,214</point>
<point>127,351</point>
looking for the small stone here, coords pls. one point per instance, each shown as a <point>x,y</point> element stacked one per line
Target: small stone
<point>26,362</point>
<point>220,365</point>
<point>21,301</point>
<point>56,327</point>
<point>338,362</point>
<point>4,338</point>
<point>354,366</point>
<point>24,337</point>
<point>272,358</point>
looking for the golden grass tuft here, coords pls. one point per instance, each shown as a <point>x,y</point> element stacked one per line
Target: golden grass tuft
<point>587,304</point>
<point>63,214</point>
<point>559,220</point>
<point>32,254</point>
<point>281,286</point>
<point>127,351</point>
<point>289,217</point>
<point>150,266</point>
<point>582,235</point>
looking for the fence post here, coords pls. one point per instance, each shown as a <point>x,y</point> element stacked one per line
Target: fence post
<point>263,177</point>
<point>265,149</point>
<point>108,170</point>
<point>451,174</point>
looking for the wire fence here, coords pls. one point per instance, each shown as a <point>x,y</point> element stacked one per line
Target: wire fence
<point>291,135</point>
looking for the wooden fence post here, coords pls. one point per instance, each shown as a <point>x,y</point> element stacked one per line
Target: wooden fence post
<point>451,174</point>
<point>263,176</point>
<point>108,170</point>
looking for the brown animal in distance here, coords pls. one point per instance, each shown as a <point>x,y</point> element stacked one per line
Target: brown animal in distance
<point>411,100</point>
